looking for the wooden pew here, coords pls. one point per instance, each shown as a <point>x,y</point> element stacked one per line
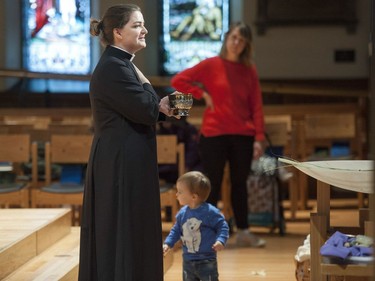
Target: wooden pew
<point>296,113</point>
<point>297,116</point>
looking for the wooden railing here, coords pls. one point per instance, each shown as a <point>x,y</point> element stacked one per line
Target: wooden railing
<point>313,88</point>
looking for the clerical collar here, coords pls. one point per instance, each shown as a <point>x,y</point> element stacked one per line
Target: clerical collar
<point>132,55</point>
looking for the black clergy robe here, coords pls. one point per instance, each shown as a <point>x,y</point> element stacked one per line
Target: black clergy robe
<point>121,225</point>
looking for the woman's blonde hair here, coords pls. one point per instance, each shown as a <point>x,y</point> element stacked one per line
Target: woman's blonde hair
<point>197,183</point>
<point>246,57</point>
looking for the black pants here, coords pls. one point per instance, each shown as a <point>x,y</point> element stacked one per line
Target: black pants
<point>238,151</point>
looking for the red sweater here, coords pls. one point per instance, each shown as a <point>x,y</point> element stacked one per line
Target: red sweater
<point>235,92</point>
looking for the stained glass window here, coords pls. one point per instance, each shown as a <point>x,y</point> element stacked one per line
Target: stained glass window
<point>56,36</point>
<point>192,30</point>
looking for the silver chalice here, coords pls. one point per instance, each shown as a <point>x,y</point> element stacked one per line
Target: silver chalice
<point>180,103</point>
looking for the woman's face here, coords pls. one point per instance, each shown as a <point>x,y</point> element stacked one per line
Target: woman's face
<point>132,37</point>
<point>235,44</point>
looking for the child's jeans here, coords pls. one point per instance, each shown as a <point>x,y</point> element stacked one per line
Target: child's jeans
<point>201,270</point>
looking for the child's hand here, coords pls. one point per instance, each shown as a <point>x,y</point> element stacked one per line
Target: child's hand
<point>166,249</point>
<point>218,246</point>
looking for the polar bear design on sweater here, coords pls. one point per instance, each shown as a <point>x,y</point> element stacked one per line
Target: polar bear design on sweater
<point>191,234</point>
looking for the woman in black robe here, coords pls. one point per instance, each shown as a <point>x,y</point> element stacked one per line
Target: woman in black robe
<point>121,226</point>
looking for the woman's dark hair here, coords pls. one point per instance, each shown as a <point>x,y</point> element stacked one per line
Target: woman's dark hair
<point>115,17</point>
<point>245,31</point>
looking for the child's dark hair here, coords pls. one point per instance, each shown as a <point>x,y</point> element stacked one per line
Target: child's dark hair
<point>197,183</point>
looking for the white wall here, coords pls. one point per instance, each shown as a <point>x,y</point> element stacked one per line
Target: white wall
<point>308,51</point>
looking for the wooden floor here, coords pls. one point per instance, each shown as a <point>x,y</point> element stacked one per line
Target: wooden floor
<point>32,248</point>
<point>275,262</point>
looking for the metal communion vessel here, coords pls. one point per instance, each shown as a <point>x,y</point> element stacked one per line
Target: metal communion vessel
<point>180,103</point>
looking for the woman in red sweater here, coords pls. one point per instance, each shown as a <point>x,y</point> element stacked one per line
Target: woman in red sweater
<point>233,126</point>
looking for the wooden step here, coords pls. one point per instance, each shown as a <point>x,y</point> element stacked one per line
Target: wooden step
<point>59,262</point>
<point>25,233</point>
<point>40,244</point>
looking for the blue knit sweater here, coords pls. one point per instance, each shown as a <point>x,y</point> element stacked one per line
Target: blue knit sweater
<point>198,230</point>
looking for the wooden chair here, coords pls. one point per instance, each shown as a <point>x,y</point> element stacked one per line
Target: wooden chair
<point>323,130</point>
<point>169,151</point>
<point>15,129</point>
<point>279,133</point>
<point>77,120</point>
<point>14,150</point>
<point>69,129</point>
<point>225,204</point>
<point>38,122</point>
<point>64,150</point>
<point>277,129</point>
<point>36,134</point>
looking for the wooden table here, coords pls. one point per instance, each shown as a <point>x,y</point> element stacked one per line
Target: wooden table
<point>355,175</point>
